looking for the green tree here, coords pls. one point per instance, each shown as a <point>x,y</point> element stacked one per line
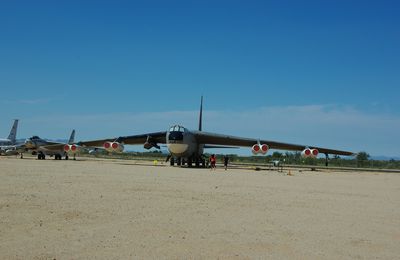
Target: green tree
<point>276,155</point>
<point>362,158</point>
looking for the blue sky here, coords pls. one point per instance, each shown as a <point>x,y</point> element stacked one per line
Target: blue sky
<point>310,72</point>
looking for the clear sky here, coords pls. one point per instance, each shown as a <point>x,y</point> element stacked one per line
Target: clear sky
<point>321,73</point>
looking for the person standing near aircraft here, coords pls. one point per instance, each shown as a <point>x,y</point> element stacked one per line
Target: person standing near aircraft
<point>226,161</point>
<point>213,161</point>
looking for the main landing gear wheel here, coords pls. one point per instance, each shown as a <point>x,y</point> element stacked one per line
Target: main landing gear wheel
<point>203,163</point>
<point>190,162</point>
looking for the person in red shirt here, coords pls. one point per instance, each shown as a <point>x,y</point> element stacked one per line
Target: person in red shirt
<point>213,161</point>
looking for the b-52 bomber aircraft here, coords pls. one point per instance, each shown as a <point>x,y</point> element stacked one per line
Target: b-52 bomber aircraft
<point>187,146</point>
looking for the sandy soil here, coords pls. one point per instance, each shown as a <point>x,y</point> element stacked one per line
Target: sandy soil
<point>110,209</point>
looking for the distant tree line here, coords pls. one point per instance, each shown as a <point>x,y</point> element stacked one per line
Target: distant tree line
<point>361,160</point>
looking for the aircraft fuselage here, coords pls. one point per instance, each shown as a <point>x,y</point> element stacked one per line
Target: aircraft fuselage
<point>5,142</point>
<point>37,145</point>
<point>182,143</point>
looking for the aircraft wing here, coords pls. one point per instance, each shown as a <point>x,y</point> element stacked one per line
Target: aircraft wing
<point>96,143</point>
<point>218,139</point>
<point>209,140</point>
<point>157,137</point>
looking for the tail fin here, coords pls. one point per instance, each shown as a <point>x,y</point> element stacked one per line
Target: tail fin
<point>72,137</point>
<point>13,132</point>
<point>201,115</point>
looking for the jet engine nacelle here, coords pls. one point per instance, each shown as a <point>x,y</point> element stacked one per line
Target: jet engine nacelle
<point>260,149</point>
<point>310,153</point>
<point>71,148</point>
<point>115,147</point>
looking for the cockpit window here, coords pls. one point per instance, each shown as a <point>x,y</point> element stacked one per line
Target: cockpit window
<point>177,128</point>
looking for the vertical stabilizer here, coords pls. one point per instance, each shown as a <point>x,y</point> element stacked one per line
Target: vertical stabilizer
<point>13,133</point>
<point>72,137</point>
<point>201,115</point>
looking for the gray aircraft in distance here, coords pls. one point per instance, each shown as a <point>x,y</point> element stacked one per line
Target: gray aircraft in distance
<point>12,137</point>
<point>42,147</point>
<point>186,146</point>
<point>9,143</point>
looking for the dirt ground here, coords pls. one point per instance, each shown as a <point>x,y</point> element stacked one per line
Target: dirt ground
<point>113,209</point>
